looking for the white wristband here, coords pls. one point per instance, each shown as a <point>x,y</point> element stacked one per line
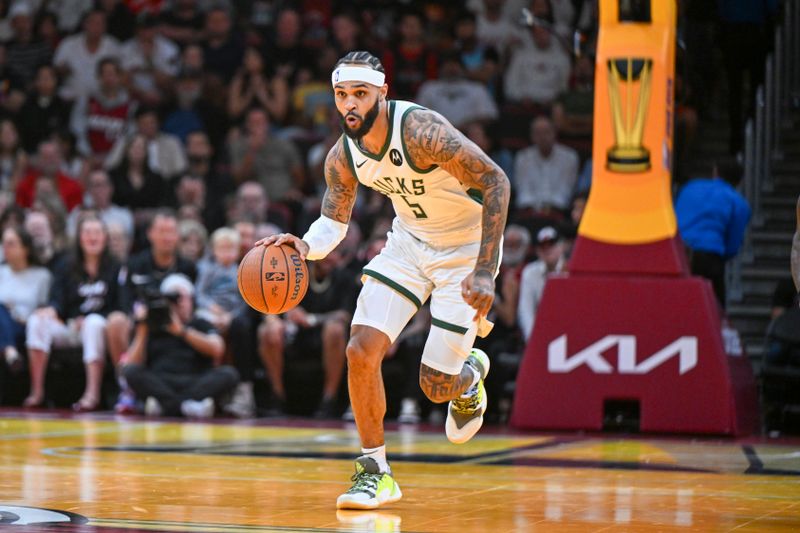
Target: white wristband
<point>323,236</point>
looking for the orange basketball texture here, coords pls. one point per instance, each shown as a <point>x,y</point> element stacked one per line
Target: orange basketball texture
<point>273,279</point>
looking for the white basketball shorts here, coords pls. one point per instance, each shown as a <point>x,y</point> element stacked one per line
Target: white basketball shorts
<point>399,280</point>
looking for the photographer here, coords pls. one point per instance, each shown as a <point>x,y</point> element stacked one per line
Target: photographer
<point>171,360</point>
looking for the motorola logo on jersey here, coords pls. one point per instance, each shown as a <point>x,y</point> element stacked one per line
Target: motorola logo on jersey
<point>395,157</point>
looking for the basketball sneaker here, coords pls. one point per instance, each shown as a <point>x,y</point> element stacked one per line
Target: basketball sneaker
<point>465,413</point>
<point>371,487</point>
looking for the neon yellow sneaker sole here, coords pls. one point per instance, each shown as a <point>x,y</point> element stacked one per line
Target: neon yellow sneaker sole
<point>371,487</point>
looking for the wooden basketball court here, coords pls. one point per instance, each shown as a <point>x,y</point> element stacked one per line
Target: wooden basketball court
<point>121,474</point>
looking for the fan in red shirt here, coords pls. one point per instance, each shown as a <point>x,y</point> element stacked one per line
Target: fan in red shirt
<point>47,172</point>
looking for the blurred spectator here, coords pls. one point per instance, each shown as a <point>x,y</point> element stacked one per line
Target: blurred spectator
<point>274,162</point>
<point>24,287</point>
<point>100,191</point>
<point>476,132</point>
<point>497,27</point>
<point>11,215</point>
<point>70,14</point>
<point>460,100</point>
<point>251,203</point>
<point>100,120</point>
<point>47,30</point>
<point>545,173</point>
<point>83,293</point>
<point>12,90</point>
<point>44,112</point>
<point>72,162</point>
<point>312,97</point>
<point>408,61</point>
<point>201,157</point>
<point>151,61</point>
<point>191,193</point>
<point>222,47</point>
<point>315,159</point>
<point>166,156</point>
<point>286,53</point>
<point>172,365</point>
<point>551,259</point>
<point>712,218</point>
<point>218,298</point>
<point>251,86</point>
<point>147,269</point>
<point>573,110</point>
<point>120,20</point>
<point>193,237</point>
<point>25,51</point>
<point>136,185</point>
<point>183,22</point>
<point>346,33</point>
<point>13,160</point>
<point>192,112</point>
<point>47,173</point>
<point>562,12</point>
<point>192,58</point>
<point>119,242</point>
<point>77,56</point>
<point>258,17</point>
<point>505,336</point>
<point>480,60</point>
<point>49,249</point>
<point>516,247</point>
<point>538,71</point>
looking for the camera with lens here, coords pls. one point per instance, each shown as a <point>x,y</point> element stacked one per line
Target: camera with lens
<point>158,306</point>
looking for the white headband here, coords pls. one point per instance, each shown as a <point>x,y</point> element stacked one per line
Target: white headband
<point>358,74</point>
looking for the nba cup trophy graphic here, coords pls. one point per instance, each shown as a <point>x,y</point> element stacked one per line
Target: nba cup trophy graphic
<point>627,325</point>
<point>628,154</point>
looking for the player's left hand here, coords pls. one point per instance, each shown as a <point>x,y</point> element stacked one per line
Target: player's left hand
<point>477,289</point>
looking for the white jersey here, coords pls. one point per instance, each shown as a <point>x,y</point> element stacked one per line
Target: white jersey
<point>431,204</point>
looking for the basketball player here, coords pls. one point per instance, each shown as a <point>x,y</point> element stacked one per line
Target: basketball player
<point>451,203</point>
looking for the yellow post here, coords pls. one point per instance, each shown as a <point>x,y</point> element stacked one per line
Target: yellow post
<point>630,201</point>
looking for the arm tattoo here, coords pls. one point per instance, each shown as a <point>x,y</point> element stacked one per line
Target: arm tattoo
<point>431,140</point>
<point>337,203</point>
<point>440,387</point>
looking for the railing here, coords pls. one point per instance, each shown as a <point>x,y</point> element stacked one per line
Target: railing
<point>762,135</point>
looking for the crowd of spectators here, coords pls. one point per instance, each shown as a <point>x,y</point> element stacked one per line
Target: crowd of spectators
<point>148,144</point>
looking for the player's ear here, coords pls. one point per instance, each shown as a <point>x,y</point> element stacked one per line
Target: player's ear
<point>384,90</point>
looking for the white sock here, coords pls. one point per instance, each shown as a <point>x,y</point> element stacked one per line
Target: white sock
<point>379,454</point>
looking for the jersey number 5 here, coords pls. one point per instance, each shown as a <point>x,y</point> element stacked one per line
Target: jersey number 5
<point>416,208</point>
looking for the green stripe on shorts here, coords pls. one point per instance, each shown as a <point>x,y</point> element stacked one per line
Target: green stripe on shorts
<point>448,326</point>
<point>394,285</point>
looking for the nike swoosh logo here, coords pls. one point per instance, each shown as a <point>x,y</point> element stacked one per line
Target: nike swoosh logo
<point>359,165</point>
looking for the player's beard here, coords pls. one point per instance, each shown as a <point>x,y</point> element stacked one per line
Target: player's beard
<point>366,121</point>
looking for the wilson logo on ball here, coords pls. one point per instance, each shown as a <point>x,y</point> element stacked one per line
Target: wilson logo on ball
<point>299,275</point>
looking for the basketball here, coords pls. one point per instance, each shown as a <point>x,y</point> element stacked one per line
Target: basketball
<point>273,279</point>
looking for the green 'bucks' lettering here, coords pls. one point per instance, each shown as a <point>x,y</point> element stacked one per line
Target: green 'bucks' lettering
<point>395,185</point>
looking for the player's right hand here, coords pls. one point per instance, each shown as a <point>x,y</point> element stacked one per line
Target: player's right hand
<point>286,238</point>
